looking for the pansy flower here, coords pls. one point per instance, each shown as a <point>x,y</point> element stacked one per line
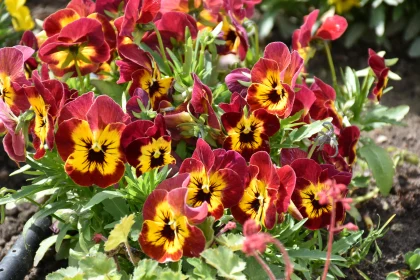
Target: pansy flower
<point>151,81</point>
<point>201,102</point>
<point>324,106</point>
<point>12,77</point>
<point>216,177</point>
<point>267,191</point>
<point>235,37</point>
<point>236,79</point>
<point>311,179</point>
<point>331,29</point>
<point>88,140</point>
<point>79,47</point>
<point>241,9</point>
<point>138,12</point>
<point>168,232</point>
<point>75,10</point>
<point>147,145</point>
<point>46,99</point>
<point>21,15</point>
<point>106,7</point>
<point>13,142</point>
<point>273,78</point>
<point>248,133</point>
<point>377,64</point>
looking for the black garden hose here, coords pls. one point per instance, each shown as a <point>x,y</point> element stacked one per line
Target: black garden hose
<point>20,258</point>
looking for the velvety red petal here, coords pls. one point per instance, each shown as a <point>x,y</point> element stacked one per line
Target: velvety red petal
<point>291,73</point>
<point>237,103</point>
<point>133,131</point>
<point>265,71</point>
<point>307,169</point>
<point>347,142</point>
<point>149,207</point>
<point>239,74</point>
<point>204,154</point>
<point>287,156</point>
<point>271,123</point>
<point>306,28</point>
<point>54,23</point>
<point>278,52</point>
<point>287,185</point>
<point>96,117</point>
<point>332,28</point>
<point>77,108</point>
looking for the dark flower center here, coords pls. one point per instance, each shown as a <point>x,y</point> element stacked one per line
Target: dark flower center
<point>168,232</point>
<point>154,88</point>
<point>157,158</point>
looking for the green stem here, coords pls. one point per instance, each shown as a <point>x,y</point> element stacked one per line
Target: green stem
<point>257,42</point>
<point>79,74</point>
<point>312,150</point>
<point>161,47</point>
<point>331,64</point>
<point>367,196</point>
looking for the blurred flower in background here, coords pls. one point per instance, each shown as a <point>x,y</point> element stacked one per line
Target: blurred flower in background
<point>342,6</point>
<point>21,16</point>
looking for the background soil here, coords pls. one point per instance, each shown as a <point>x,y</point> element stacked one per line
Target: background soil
<point>404,200</point>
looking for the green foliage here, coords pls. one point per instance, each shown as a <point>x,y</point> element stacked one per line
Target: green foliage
<point>228,264</point>
<point>381,165</point>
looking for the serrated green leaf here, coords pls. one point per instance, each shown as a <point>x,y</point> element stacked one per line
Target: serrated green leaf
<point>100,266</point>
<point>231,240</point>
<point>381,165</point>
<point>69,273</point>
<point>120,233</point>
<point>147,270</point>
<point>228,264</point>
<point>202,270</point>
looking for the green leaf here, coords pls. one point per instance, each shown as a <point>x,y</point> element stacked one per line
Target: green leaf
<point>147,270</point>
<point>69,273</point>
<point>254,270</point>
<point>117,207</point>
<point>207,229</point>
<point>201,269</point>
<point>110,88</point>
<point>413,27</point>
<point>393,276</point>
<point>24,192</point>
<point>341,246</point>
<point>353,34</point>
<point>99,197</point>
<point>314,255</point>
<point>414,262</point>
<point>120,233</point>
<point>228,264</point>
<point>100,266</point>
<point>377,20</point>
<point>61,236</point>
<point>43,248</point>
<point>307,131</point>
<point>231,240</point>
<point>287,121</point>
<point>381,165</point>
<point>414,49</point>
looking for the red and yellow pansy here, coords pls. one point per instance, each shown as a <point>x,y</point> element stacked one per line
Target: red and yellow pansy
<point>168,232</point>
<point>147,145</point>
<point>311,179</point>
<point>79,47</point>
<point>273,78</point>
<point>89,141</point>
<point>267,191</point>
<point>216,177</point>
<point>247,133</point>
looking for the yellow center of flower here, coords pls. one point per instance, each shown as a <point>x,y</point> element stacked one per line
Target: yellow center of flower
<point>255,201</point>
<point>6,90</point>
<point>310,200</point>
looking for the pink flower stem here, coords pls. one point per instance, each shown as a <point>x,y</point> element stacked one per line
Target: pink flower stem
<point>330,239</point>
<point>287,263</point>
<point>264,266</point>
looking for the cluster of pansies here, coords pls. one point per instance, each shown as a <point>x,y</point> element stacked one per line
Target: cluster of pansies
<point>231,169</point>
